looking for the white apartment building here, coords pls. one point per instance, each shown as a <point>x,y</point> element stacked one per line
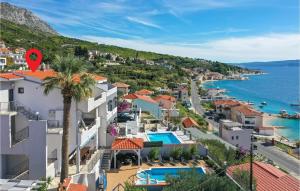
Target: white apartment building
<point>233,133</point>
<point>31,126</point>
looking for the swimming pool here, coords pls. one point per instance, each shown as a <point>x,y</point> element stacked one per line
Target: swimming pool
<point>158,175</point>
<point>166,138</point>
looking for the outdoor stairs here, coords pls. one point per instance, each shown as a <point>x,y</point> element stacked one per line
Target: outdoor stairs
<point>106,160</point>
<point>26,112</point>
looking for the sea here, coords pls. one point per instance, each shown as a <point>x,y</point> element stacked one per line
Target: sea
<point>278,87</point>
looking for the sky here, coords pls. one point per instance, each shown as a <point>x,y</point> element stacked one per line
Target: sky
<point>230,31</point>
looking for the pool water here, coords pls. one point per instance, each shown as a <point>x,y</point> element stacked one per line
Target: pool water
<point>166,138</point>
<point>157,175</point>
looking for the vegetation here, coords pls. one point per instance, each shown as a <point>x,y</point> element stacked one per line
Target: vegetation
<point>153,154</point>
<point>66,68</point>
<point>176,152</point>
<point>208,105</point>
<point>130,187</point>
<point>45,185</point>
<point>190,181</point>
<point>242,177</point>
<point>133,71</point>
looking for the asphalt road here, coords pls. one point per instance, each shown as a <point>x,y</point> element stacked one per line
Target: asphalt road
<point>280,158</point>
<point>195,98</point>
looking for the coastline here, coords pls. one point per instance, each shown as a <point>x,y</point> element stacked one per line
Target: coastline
<point>268,118</point>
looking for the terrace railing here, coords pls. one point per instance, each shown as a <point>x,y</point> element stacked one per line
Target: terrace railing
<point>119,187</point>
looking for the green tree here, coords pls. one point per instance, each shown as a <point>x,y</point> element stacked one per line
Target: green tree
<point>190,181</point>
<point>74,83</point>
<point>154,153</point>
<point>242,177</point>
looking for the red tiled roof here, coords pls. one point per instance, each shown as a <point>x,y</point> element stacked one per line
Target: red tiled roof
<point>39,74</point>
<point>268,178</point>
<point>144,92</point>
<point>166,97</point>
<point>121,85</point>
<point>142,97</point>
<point>9,76</point>
<point>189,122</point>
<point>226,102</point>
<point>164,103</point>
<point>246,110</point>
<point>127,143</point>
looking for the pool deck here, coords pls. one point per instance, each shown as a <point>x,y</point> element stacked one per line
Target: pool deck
<point>114,177</point>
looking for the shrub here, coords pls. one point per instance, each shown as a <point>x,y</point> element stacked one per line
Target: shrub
<point>154,153</point>
<point>176,152</point>
<point>193,150</point>
<point>186,155</point>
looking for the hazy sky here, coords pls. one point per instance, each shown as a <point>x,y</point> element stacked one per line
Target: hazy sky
<point>223,30</point>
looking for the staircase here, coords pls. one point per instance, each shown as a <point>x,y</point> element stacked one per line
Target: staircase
<point>106,160</point>
<point>27,112</point>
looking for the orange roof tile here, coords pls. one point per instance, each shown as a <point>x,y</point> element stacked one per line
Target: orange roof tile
<point>142,97</point>
<point>77,187</point>
<point>39,74</point>
<point>144,92</point>
<point>268,178</point>
<point>166,97</point>
<point>226,102</point>
<point>127,143</point>
<point>121,85</point>
<point>246,110</point>
<point>9,76</point>
<point>166,104</point>
<point>189,122</point>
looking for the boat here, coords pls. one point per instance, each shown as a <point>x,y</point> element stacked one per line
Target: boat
<point>263,103</point>
<point>250,103</point>
<point>295,104</point>
<point>261,106</point>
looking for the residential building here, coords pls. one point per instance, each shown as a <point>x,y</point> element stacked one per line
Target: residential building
<point>213,76</point>
<point>247,116</point>
<point>181,93</point>
<point>267,177</point>
<point>123,89</point>
<point>168,106</point>
<point>235,134</point>
<point>224,107</point>
<point>267,130</point>
<point>31,126</point>
<point>2,63</point>
<point>189,122</point>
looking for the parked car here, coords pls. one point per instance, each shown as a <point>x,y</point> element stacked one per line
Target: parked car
<point>124,117</point>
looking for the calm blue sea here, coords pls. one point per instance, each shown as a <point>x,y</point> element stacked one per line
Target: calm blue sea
<point>279,88</point>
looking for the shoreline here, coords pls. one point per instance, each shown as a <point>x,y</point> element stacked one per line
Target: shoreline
<point>268,118</point>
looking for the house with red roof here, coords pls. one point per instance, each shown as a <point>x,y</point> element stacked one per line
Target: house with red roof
<point>31,124</point>
<point>247,116</point>
<point>267,177</point>
<point>168,105</point>
<point>144,92</point>
<point>224,106</point>
<point>189,122</point>
<point>123,89</point>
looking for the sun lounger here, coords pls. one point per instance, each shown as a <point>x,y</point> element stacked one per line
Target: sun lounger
<point>172,161</point>
<point>183,161</point>
<point>149,162</point>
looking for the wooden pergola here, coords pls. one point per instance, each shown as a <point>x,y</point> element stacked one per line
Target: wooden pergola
<point>127,144</point>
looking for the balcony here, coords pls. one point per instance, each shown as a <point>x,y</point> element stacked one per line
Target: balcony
<point>7,107</point>
<point>20,135</point>
<point>88,128</point>
<point>93,102</point>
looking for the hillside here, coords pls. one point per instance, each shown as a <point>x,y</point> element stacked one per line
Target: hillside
<point>24,17</point>
<point>135,73</point>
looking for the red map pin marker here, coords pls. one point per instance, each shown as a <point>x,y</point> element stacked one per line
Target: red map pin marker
<point>33,64</point>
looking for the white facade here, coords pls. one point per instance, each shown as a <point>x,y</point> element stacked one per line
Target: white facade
<point>36,120</point>
<point>233,133</point>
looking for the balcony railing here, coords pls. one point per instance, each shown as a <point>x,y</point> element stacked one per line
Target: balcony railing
<point>7,106</point>
<point>87,123</point>
<point>53,124</point>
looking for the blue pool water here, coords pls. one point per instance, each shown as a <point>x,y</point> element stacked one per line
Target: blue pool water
<point>166,138</point>
<point>159,174</point>
<point>279,88</point>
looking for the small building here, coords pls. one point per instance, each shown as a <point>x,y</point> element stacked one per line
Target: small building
<point>235,134</point>
<point>267,130</point>
<point>268,177</point>
<point>247,116</point>
<point>181,93</point>
<point>213,76</point>
<point>123,89</point>
<point>168,105</point>
<point>2,63</point>
<point>189,122</point>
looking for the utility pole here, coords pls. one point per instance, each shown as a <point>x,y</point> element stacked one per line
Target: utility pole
<point>251,165</point>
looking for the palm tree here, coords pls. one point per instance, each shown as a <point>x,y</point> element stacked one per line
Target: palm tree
<point>74,83</point>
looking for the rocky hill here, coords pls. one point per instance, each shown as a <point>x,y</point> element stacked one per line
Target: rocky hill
<point>23,16</point>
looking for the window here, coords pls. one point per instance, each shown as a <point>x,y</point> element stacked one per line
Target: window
<point>232,137</point>
<point>110,107</point>
<point>20,90</point>
<point>236,137</point>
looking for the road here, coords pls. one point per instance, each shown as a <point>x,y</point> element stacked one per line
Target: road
<point>195,98</point>
<point>280,158</point>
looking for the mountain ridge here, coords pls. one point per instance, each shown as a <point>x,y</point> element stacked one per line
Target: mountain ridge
<point>24,16</point>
